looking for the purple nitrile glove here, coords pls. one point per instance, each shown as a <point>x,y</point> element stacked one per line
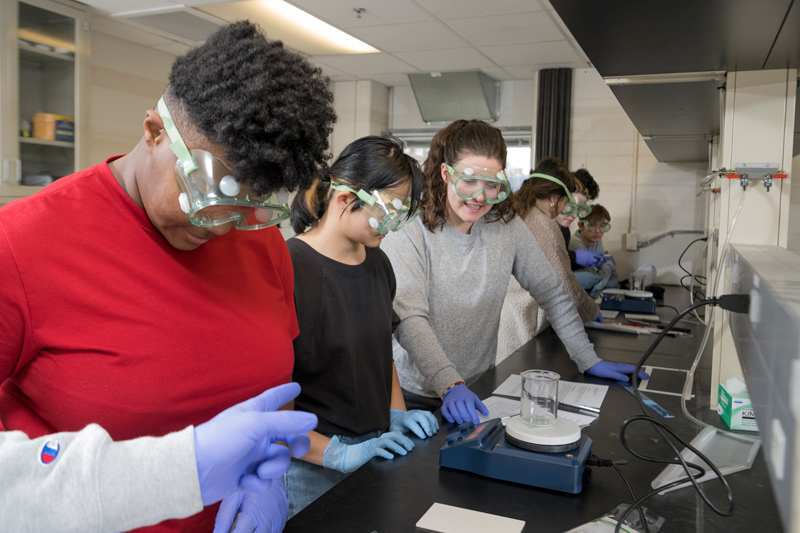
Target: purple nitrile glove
<point>236,449</point>
<point>599,318</point>
<point>615,371</point>
<point>588,259</point>
<point>461,404</point>
<point>254,511</point>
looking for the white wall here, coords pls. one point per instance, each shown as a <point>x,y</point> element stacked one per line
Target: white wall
<point>605,142</point>
<point>125,80</point>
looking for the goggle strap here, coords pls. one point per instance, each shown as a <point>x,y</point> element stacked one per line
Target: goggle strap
<point>554,180</point>
<point>366,197</point>
<point>178,147</point>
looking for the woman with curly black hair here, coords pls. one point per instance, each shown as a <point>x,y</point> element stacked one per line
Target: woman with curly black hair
<point>453,266</point>
<point>127,301</point>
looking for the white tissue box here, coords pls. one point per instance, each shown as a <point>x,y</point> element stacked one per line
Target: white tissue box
<point>736,410</point>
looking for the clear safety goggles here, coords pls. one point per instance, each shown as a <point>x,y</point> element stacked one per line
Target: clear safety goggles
<point>470,182</point>
<point>212,196</point>
<point>572,207</point>
<point>602,227</point>
<point>385,211</point>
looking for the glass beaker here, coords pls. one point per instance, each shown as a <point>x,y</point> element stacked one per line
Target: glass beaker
<point>539,401</point>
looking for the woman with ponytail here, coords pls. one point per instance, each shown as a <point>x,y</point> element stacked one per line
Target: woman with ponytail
<point>344,287</point>
<point>453,267</point>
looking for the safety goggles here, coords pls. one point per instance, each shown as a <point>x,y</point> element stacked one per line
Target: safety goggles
<point>470,182</point>
<point>602,227</point>
<point>211,195</point>
<point>385,211</point>
<point>573,207</point>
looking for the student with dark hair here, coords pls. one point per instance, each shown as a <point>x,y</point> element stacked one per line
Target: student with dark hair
<point>453,266</point>
<point>588,182</point>
<point>344,287</point>
<point>589,236</point>
<point>127,300</point>
<point>587,189</point>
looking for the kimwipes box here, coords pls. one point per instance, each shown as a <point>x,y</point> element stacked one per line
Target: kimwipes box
<point>735,407</point>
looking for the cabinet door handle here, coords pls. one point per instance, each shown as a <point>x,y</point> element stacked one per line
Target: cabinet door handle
<point>18,166</point>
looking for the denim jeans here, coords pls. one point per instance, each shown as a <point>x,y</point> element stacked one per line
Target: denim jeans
<point>305,482</point>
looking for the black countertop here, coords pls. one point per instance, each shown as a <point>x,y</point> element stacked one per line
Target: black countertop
<point>390,496</point>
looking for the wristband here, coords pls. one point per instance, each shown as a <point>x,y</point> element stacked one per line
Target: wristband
<point>450,387</point>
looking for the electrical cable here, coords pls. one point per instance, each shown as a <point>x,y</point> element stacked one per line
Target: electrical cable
<point>686,394</point>
<point>732,302</point>
<point>594,460</point>
<point>684,268</point>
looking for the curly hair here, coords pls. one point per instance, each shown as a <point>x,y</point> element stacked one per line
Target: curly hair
<point>533,189</point>
<point>586,179</point>
<point>450,145</point>
<point>369,163</point>
<point>268,108</point>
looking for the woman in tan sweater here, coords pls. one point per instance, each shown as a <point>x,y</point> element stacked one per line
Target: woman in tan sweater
<point>542,197</point>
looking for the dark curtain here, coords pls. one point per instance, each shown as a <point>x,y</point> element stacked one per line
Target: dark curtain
<point>552,126</point>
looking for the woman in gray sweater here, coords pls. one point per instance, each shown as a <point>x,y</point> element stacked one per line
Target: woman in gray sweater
<point>453,265</point>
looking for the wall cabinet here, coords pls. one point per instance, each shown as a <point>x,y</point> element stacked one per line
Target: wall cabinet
<point>44,47</point>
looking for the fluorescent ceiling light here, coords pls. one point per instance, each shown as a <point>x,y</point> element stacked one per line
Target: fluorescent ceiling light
<point>296,28</point>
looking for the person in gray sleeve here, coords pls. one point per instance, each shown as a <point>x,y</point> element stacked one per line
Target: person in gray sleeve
<point>453,265</point>
<point>83,481</point>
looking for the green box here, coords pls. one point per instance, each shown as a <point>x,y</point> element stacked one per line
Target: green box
<point>736,410</point>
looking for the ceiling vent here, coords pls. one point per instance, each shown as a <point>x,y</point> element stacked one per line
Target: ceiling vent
<point>449,96</point>
<point>183,24</point>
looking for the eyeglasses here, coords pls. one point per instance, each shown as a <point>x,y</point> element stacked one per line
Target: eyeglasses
<point>572,207</point>
<point>602,227</point>
<point>211,195</point>
<point>385,211</point>
<point>472,181</point>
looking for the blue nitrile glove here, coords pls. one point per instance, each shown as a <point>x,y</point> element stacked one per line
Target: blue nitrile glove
<point>421,423</point>
<point>586,258</point>
<point>599,318</point>
<point>348,457</point>
<point>460,405</point>
<point>264,512</point>
<point>236,449</point>
<point>615,371</point>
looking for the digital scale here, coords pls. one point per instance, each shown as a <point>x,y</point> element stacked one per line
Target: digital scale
<point>552,457</point>
<point>628,301</point>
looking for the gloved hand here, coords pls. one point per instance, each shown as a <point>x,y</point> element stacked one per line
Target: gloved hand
<point>236,449</point>
<point>421,423</point>
<point>258,511</point>
<point>615,371</point>
<point>348,457</point>
<point>460,405</point>
<point>599,318</point>
<point>588,259</point>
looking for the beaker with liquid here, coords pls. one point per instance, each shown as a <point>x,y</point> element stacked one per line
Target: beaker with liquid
<point>539,401</point>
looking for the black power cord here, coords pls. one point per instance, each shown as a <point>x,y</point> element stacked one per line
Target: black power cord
<point>701,280</point>
<point>737,303</point>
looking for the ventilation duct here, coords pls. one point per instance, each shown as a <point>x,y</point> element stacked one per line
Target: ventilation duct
<point>449,96</point>
<point>183,24</point>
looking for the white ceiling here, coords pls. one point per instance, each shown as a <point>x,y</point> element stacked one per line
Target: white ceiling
<point>506,39</point>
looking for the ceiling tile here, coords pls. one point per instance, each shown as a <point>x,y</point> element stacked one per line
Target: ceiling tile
<point>361,64</point>
<point>498,73</point>
<point>121,30</point>
<point>447,9</point>
<point>532,53</point>
<point>446,60</point>
<point>506,29</point>
<point>391,80</point>
<point>376,12</point>
<point>408,37</point>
